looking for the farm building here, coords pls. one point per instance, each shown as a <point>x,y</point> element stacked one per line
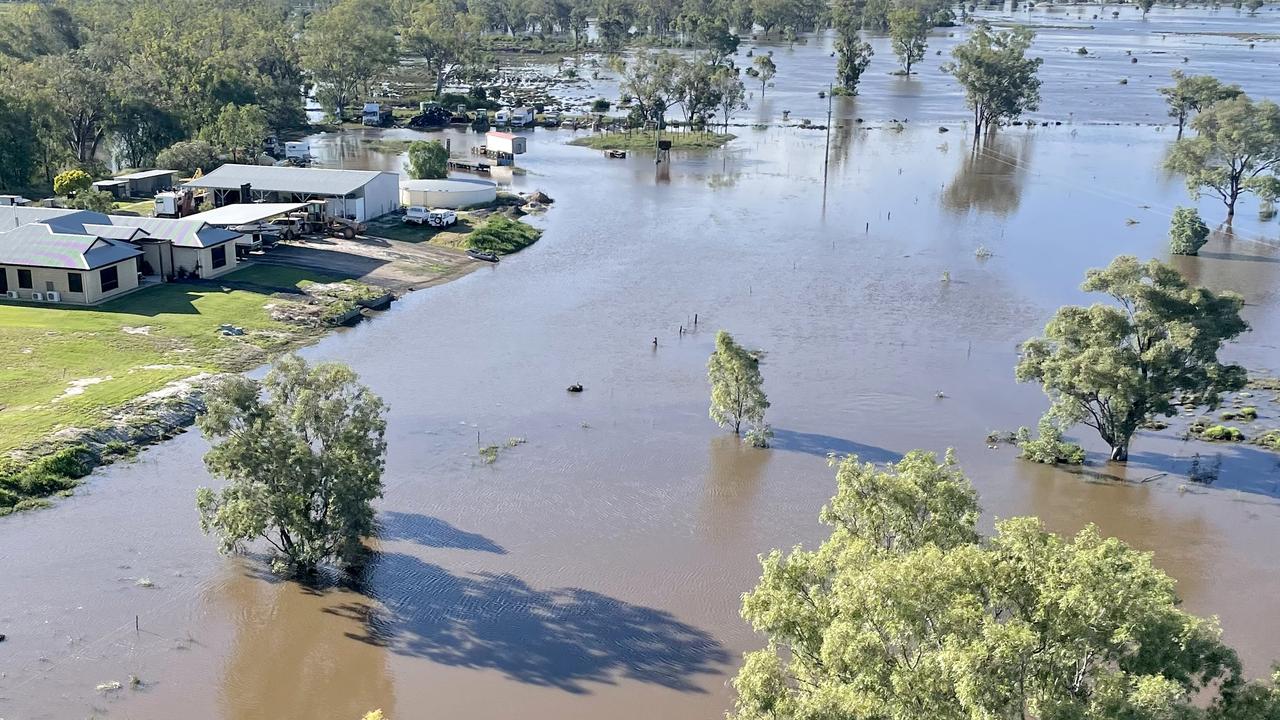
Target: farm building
<point>83,257</point>
<point>505,142</point>
<point>145,183</point>
<point>449,193</point>
<point>356,194</point>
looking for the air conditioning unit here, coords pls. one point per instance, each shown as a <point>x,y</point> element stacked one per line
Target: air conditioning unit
<point>12,294</point>
<point>53,296</point>
<point>37,296</point>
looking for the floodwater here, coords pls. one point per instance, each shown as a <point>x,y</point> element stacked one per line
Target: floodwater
<point>596,570</point>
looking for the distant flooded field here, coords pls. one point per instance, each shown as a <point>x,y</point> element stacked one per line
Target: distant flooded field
<point>596,570</point>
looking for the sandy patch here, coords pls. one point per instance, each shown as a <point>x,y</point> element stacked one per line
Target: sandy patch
<point>144,330</point>
<point>77,387</point>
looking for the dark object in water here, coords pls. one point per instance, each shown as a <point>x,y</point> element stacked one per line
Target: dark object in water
<point>483,255</point>
<point>621,154</point>
<point>576,387</point>
<point>1,637</point>
<point>434,117</point>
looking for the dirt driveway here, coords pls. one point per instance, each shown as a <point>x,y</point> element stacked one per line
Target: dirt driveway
<point>396,265</point>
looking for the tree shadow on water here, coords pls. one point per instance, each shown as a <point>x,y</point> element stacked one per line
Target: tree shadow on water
<point>562,637</point>
<point>815,444</point>
<point>433,532</point>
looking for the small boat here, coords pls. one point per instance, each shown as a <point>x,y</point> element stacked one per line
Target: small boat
<point>483,255</point>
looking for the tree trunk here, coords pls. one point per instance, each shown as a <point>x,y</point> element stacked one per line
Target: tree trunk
<point>1120,453</point>
<point>1231,207</point>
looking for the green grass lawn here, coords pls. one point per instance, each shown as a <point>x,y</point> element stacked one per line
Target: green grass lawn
<point>645,140</point>
<point>68,367</point>
<point>143,207</point>
<point>393,228</point>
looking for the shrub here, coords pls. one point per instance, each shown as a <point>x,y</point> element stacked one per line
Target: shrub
<point>1187,232</point>
<point>758,437</point>
<point>70,182</point>
<point>599,105</point>
<point>501,234</point>
<point>1049,448</point>
<point>1269,439</point>
<point>1222,433</point>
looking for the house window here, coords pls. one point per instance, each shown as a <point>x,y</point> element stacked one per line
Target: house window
<point>4,280</point>
<point>110,278</point>
<point>24,279</point>
<point>219,256</point>
<point>75,283</point>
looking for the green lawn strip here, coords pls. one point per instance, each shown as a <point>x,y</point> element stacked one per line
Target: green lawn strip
<point>68,367</point>
<point>645,140</point>
<point>394,228</point>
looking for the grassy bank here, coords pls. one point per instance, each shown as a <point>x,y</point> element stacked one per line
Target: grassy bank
<point>74,368</point>
<point>645,140</point>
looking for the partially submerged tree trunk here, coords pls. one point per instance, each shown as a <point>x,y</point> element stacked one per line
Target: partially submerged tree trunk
<point>1120,453</point>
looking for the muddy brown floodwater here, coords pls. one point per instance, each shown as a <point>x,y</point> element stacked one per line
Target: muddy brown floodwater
<point>596,570</point>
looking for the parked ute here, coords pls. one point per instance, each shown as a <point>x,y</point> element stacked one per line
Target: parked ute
<point>417,215</point>
<point>441,218</point>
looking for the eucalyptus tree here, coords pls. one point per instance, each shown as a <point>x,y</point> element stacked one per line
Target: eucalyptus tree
<point>998,78</point>
<point>302,454</point>
<point>905,612</point>
<point>909,32</point>
<point>737,387</point>
<point>1236,150</point>
<point>1112,366</point>
<point>445,38</point>
<point>1191,93</point>
<point>1187,232</point>
<point>345,48</point>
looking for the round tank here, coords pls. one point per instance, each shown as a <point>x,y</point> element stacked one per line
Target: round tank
<point>448,193</point>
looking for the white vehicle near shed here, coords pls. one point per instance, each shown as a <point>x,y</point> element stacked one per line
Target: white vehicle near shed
<point>442,218</point>
<point>417,215</point>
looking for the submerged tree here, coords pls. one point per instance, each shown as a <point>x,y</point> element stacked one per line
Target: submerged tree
<point>1113,366</point>
<point>1190,94</point>
<point>730,95</point>
<point>303,463</point>
<point>909,32</point>
<point>650,79</point>
<point>853,56</point>
<point>1236,151</point>
<point>904,612</point>
<point>737,388</point>
<point>1187,232</point>
<point>998,78</point>
<point>428,160</point>
<point>763,69</point>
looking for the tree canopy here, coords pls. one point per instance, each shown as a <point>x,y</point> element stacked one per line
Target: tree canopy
<point>345,48</point>
<point>1191,93</point>
<point>428,159</point>
<point>1111,366</point>
<point>737,387</point>
<point>905,612</point>
<point>998,78</point>
<point>1236,150</point>
<point>1187,232</point>
<point>302,452</point>
<point>908,31</point>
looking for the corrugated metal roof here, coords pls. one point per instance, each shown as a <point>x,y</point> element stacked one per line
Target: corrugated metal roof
<point>270,178</point>
<point>245,213</point>
<point>144,174</point>
<point>41,245</point>
<point>185,232</point>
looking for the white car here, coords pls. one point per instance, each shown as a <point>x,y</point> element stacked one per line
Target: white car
<point>418,215</point>
<point>442,218</point>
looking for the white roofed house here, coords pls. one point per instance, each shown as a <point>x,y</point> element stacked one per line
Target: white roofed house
<point>356,194</point>
<point>83,257</point>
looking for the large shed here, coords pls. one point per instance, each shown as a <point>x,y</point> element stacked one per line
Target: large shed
<point>357,194</point>
<point>448,193</point>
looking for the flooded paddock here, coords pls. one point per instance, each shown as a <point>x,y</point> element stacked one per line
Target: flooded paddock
<point>596,570</point>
